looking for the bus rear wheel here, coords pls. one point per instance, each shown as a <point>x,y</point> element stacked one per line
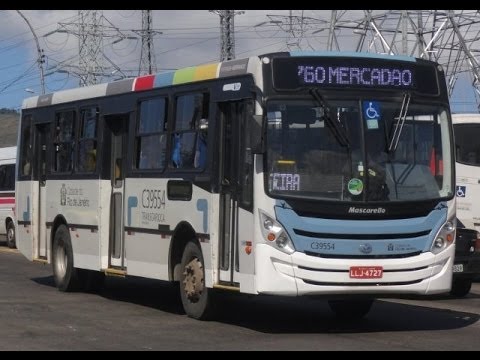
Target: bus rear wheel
<point>64,273</point>
<point>196,298</point>
<point>11,235</point>
<point>350,309</point>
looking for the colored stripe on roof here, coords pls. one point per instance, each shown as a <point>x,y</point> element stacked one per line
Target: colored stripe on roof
<point>143,83</point>
<point>164,79</point>
<point>119,87</point>
<point>205,72</point>
<point>183,75</point>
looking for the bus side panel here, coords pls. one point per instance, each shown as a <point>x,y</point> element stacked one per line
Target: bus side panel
<point>146,246</point>
<point>24,234</point>
<point>246,260</point>
<point>105,194</point>
<point>468,196</point>
<point>151,219</point>
<point>78,202</point>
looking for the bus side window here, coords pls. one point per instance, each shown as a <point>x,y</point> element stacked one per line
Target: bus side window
<point>26,148</point>
<point>189,140</point>
<point>201,145</point>
<point>3,177</point>
<point>87,142</point>
<point>64,141</point>
<point>151,140</point>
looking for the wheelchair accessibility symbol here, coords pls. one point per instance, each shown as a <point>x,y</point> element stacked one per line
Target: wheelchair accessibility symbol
<point>461,190</point>
<point>371,110</point>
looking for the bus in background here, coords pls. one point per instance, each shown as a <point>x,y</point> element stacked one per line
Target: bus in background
<point>8,156</point>
<point>295,173</point>
<point>467,155</point>
<point>467,150</point>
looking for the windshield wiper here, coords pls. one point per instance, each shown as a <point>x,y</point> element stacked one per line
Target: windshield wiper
<point>399,124</point>
<point>337,129</point>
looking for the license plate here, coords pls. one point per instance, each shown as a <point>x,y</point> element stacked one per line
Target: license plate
<point>458,268</point>
<point>366,272</point>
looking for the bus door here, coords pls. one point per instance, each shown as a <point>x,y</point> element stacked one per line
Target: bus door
<point>41,139</point>
<point>236,187</point>
<point>116,128</point>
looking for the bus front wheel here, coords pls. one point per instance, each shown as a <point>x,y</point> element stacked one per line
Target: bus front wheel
<point>461,287</point>
<point>196,298</point>
<point>350,309</point>
<point>11,235</point>
<point>64,273</point>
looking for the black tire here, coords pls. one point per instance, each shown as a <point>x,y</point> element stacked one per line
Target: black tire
<point>196,298</point>
<point>461,287</point>
<point>65,275</point>
<point>350,309</point>
<point>11,235</point>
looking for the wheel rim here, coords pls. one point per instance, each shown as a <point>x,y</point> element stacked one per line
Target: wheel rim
<point>61,260</point>
<point>193,280</point>
<point>10,235</point>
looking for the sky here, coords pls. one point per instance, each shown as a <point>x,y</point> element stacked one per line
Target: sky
<point>183,38</point>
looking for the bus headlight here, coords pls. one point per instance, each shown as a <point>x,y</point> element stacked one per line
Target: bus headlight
<point>445,237</point>
<point>275,235</point>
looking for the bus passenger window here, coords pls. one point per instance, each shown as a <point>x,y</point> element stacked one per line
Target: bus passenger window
<point>151,141</point>
<point>87,142</point>
<point>201,148</point>
<point>189,141</point>
<point>64,141</point>
<point>26,148</point>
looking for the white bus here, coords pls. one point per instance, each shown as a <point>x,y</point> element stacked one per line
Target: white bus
<point>8,156</point>
<point>467,253</point>
<point>467,151</point>
<point>300,174</point>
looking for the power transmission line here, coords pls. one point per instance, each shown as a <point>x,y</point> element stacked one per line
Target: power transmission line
<point>227,33</point>
<point>91,32</point>
<point>147,55</point>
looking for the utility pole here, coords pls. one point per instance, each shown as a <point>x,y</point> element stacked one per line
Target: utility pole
<point>227,33</point>
<point>90,29</point>
<point>41,56</point>
<point>90,39</point>
<point>296,26</point>
<point>147,55</point>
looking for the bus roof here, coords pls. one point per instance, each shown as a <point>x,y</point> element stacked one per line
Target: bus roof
<point>183,76</point>
<point>465,118</point>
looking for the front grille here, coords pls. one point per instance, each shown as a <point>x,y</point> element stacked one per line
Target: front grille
<point>359,284</point>
<point>361,236</point>
<point>346,271</point>
<point>340,256</point>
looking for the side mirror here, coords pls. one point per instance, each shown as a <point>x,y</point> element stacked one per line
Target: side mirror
<point>256,134</point>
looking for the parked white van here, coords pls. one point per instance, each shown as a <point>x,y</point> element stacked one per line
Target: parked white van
<point>8,156</point>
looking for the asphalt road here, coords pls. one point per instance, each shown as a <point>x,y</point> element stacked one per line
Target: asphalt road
<point>141,314</point>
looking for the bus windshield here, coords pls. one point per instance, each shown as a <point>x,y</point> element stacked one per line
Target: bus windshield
<point>358,150</point>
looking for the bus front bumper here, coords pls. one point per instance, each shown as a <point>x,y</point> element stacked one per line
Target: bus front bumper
<point>300,274</point>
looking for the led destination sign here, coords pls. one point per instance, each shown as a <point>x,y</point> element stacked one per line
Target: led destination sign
<point>292,73</point>
<point>342,75</point>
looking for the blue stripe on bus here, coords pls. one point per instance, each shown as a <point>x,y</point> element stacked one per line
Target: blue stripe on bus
<point>352,54</point>
<point>202,206</point>
<point>164,79</point>
<point>290,221</point>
